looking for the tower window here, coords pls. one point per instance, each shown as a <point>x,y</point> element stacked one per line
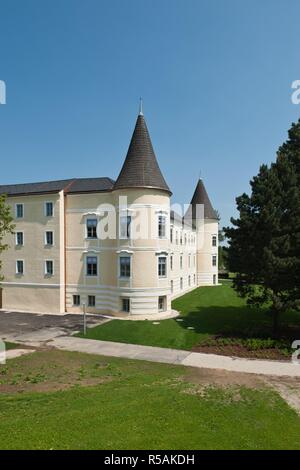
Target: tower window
<point>91,301</point>
<point>49,238</point>
<point>161,226</point>
<point>125,266</point>
<point>214,260</point>
<point>76,300</point>
<point>214,240</point>
<point>49,209</point>
<point>92,266</point>
<point>91,228</point>
<point>19,238</point>
<point>19,211</point>
<point>162,266</point>
<point>126,305</point>
<point>125,226</point>
<point>20,267</point>
<point>49,267</point>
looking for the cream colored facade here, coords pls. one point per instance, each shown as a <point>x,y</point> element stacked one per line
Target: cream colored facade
<point>164,258</point>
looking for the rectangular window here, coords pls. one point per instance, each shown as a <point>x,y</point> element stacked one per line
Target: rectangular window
<point>189,261</point>
<point>194,278</point>
<point>125,223</point>
<point>181,283</point>
<point>49,267</point>
<point>172,286</point>
<point>126,305</point>
<point>124,266</point>
<point>91,266</point>
<point>20,267</point>
<point>91,301</point>
<point>19,238</point>
<point>161,303</point>
<point>180,238</point>
<point>171,262</point>
<point>181,262</point>
<point>161,226</point>
<point>162,266</point>
<point>76,300</point>
<point>214,260</point>
<point>214,279</point>
<point>214,240</point>
<point>19,211</point>
<point>171,235</point>
<point>91,228</point>
<point>49,209</point>
<point>49,238</point>
<point>189,280</point>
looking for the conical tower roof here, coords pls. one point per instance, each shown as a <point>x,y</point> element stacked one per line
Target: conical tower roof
<point>200,196</point>
<point>140,168</point>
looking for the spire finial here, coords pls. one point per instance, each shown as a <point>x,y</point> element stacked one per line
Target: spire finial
<point>200,175</point>
<point>141,107</point>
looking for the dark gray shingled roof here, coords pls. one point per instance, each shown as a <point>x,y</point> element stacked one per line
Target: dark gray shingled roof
<point>200,196</point>
<point>140,169</point>
<point>70,186</point>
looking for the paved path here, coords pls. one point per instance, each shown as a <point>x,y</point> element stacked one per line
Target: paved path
<point>175,356</point>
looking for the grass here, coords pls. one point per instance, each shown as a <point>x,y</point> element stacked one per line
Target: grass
<point>134,405</point>
<point>210,311</point>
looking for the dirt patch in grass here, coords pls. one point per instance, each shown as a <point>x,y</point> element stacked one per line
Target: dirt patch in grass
<point>65,370</point>
<point>239,350</point>
<point>223,378</point>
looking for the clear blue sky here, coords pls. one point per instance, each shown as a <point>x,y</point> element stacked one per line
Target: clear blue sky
<point>215,76</point>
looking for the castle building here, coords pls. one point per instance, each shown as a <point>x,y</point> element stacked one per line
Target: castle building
<point>113,246</point>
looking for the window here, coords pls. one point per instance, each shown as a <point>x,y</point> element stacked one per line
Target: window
<point>125,223</point>
<point>189,261</point>
<point>126,305</point>
<point>91,228</point>
<point>181,261</point>
<point>189,280</point>
<point>161,303</point>
<point>49,238</point>
<point>194,278</point>
<point>214,240</point>
<point>19,238</point>
<point>181,283</point>
<point>214,279</point>
<point>91,266</point>
<point>161,226</point>
<point>76,300</point>
<point>172,286</point>
<point>124,266</point>
<point>171,235</point>
<point>185,239</point>
<point>20,267</point>
<point>162,266</point>
<point>171,262</point>
<point>19,211</point>
<point>214,260</point>
<point>180,238</point>
<point>49,209</point>
<point>49,267</point>
<point>91,301</point>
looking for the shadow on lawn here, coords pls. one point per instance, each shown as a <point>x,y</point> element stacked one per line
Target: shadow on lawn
<point>237,322</point>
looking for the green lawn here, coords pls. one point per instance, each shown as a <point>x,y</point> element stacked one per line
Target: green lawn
<point>209,310</point>
<point>61,400</point>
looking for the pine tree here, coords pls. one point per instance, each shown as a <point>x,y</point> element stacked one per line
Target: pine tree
<point>6,226</point>
<point>264,242</point>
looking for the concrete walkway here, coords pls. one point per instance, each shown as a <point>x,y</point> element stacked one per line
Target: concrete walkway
<point>175,356</point>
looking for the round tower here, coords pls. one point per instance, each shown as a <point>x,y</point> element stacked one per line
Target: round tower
<point>142,200</point>
<point>205,221</point>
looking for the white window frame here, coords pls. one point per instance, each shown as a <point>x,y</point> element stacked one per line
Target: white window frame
<point>16,239</point>
<point>171,262</point>
<point>88,300</point>
<point>162,225</point>
<point>129,304</point>
<point>73,303</point>
<point>23,262</point>
<point>45,209</point>
<point>214,237</point>
<point>45,267</point>
<point>125,255</point>
<point>164,276</point>
<point>214,261</point>
<point>16,211</point>
<point>48,244</point>
<point>86,228</point>
<point>181,261</point>
<point>128,227</point>
<point>86,265</point>
<point>164,301</point>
